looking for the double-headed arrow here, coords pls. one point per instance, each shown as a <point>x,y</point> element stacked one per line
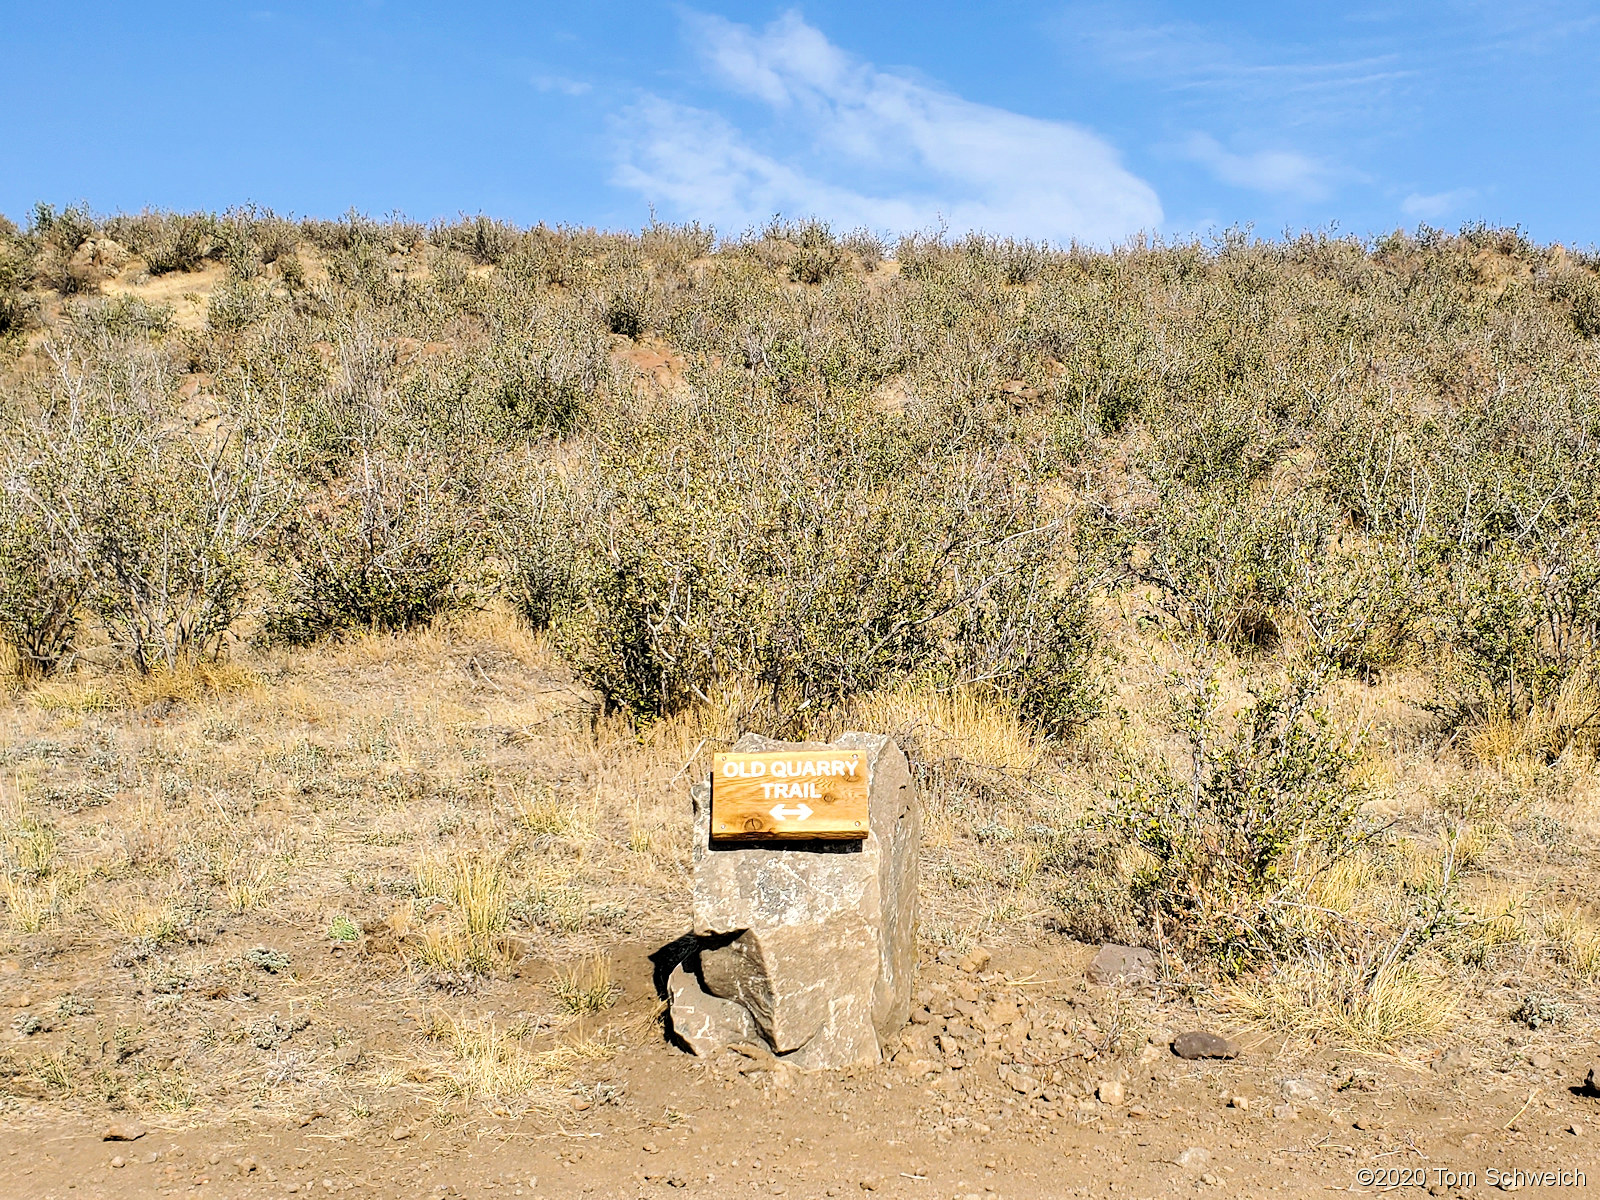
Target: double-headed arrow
<point>799,812</point>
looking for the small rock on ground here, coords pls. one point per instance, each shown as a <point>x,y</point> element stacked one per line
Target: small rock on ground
<point>1301,1091</point>
<point>976,961</point>
<point>1121,964</point>
<point>123,1131</point>
<point>1200,1043</point>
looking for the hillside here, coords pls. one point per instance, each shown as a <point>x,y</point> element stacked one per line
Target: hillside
<point>371,593</point>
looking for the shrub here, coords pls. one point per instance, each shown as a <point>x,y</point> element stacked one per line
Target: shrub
<point>16,270</point>
<point>1516,630</point>
<point>816,253</point>
<point>57,237</point>
<point>389,546</point>
<point>804,570</point>
<point>1362,606</point>
<point>482,239</point>
<point>1259,807</point>
<point>1228,563</point>
<point>1579,290</point>
<point>159,521</point>
<point>183,243</point>
<point>40,587</point>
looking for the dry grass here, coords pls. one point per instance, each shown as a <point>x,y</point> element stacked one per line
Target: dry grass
<point>485,1065</point>
<point>1371,1009</point>
<point>585,987</point>
<point>1570,725</point>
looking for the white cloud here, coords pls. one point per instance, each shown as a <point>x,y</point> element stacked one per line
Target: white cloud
<point>876,149</point>
<point>1283,172</point>
<point>560,83</point>
<point>1437,205</point>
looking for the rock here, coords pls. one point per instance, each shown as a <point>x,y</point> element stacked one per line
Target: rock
<point>1109,1091</point>
<point>123,1131</point>
<point>118,1161</point>
<point>401,1132</point>
<point>815,943</point>
<point>1200,1043</point>
<point>999,1015</point>
<point>1540,1061</point>
<point>1194,1157</point>
<point>706,1023</point>
<point>1301,1091</point>
<point>1285,1112</point>
<point>1122,964</point>
<point>1242,1103</point>
<point>976,961</point>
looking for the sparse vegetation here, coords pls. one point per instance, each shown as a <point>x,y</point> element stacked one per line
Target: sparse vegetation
<point>386,584</point>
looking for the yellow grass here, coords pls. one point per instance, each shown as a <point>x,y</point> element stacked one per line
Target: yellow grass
<point>1575,939</point>
<point>585,987</point>
<point>31,905</point>
<point>490,1065</point>
<point>1398,1004</point>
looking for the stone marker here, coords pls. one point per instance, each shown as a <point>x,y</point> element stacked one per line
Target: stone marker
<point>805,946</point>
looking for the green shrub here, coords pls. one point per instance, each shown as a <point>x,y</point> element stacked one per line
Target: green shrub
<point>122,318</point>
<point>816,255</point>
<point>183,243</point>
<point>17,308</point>
<point>1517,627</point>
<point>389,545</point>
<point>41,584</point>
<point>812,567</point>
<point>1260,806</point>
<point>1579,290</point>
<point>1227,563</point>
<point>482,239</point>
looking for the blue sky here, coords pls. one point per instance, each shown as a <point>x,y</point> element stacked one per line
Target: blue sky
<point>1073,120</point>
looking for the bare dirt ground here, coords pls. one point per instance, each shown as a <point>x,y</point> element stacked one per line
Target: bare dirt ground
<point>654,1121</point>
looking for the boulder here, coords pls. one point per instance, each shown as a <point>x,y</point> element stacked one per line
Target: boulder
<point>704,1022</point>
<point>814,941</point>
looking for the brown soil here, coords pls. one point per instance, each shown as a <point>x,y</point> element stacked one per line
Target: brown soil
<point>655,1121</point>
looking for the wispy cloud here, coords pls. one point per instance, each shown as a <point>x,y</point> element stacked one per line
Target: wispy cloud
<point>560,83</point>
<point>1277,84</point>
<point>1436,206</point>
<point>1283,172</point>
<point>861,146</point>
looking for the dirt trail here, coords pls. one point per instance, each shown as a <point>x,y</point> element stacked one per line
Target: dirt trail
<point>654,1121</point>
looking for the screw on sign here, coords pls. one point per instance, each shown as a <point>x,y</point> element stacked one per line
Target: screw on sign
<point>789,794</point>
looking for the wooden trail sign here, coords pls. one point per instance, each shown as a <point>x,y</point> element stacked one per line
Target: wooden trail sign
<point>789,794</point>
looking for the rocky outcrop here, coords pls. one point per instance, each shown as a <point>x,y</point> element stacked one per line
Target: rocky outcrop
<point>812,942</point>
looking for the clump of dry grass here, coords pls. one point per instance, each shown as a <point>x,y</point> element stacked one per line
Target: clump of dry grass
<point>142,914</point>
<point>495,1068</point>
<point>1575,939</point>
<point>585,987</point>
<point>1372,1008</point>
<point>476,889</point>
